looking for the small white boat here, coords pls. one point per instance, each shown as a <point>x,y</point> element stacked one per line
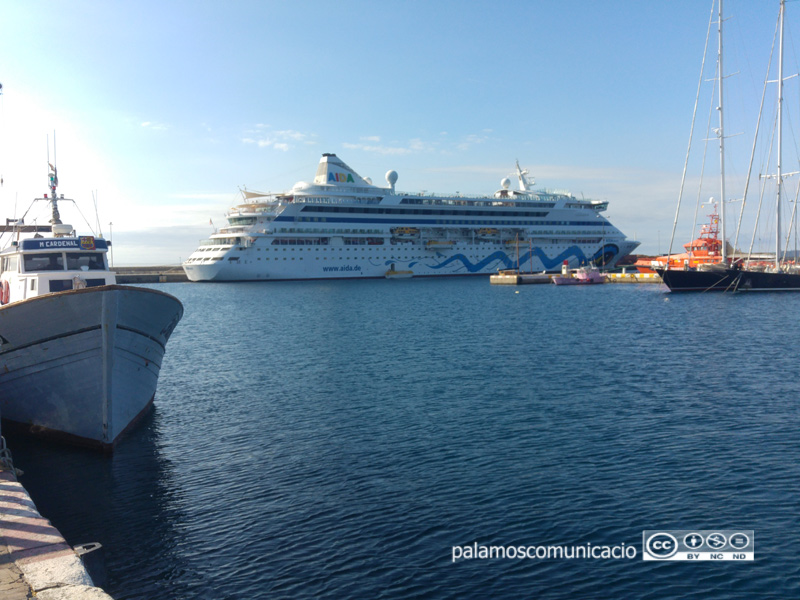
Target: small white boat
<point>79,355</point>
<point>581,276</point>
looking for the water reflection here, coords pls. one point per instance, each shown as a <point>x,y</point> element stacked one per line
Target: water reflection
<point>129,502</point>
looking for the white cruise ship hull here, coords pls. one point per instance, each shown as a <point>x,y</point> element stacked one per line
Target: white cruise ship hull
<point>83,365</point>
<point>271,263</point>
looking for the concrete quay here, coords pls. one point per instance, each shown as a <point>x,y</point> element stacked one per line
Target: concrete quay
<point>160,274</point>
<point>513,277</point>
<point>516,278</point>
<point>633,278</point>
<point>35,560</point>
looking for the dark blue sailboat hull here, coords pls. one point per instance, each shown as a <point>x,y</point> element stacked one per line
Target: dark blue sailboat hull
<point>728,280</point>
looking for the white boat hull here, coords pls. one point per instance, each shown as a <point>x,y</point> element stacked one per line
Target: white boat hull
<point>83,365</point>
<point>275,263</point>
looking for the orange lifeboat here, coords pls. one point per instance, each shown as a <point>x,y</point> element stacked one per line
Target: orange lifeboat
<point>706,249</point>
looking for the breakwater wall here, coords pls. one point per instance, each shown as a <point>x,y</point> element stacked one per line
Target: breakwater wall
<point>158,274</point>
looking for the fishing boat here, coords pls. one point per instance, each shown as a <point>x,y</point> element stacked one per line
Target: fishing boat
<point>79,355</point>
<point>341,225</point>
<point>743,272</point>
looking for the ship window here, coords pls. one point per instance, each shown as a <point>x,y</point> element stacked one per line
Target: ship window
<point>50,261</point>
<point>60,285</point>
<point>85,261</point>
<point>10,264</point>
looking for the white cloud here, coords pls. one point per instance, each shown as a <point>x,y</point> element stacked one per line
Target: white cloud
<point>393,150</point>
<point>472,140</point>
<point>154,126</point>
<point>278,140</point>
<point>414,146</point>
<point>290,134</point>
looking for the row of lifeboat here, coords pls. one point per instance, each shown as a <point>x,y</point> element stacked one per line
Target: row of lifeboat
<point>413,233</point>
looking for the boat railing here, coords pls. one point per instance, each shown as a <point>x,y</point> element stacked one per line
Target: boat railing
<point>317,231</point>
<point>337,199</point>
<point>218,242</point>
<point>235,213</point>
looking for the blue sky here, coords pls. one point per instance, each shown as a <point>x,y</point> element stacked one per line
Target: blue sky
<point>161,109</point>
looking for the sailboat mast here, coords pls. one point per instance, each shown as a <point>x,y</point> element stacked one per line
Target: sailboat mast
<point>780,147</point>
<point>721,135</point>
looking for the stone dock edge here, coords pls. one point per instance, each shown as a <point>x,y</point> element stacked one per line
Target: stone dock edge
<point>35,560</point>
<point>159,274</point>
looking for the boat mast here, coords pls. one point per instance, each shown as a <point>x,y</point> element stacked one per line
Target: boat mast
<point>53,178</point>
<point>780,131</point>
<point>721,135</point>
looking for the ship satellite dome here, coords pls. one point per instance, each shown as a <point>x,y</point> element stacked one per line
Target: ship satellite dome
<point>505,182</point>
<point>391,177</point>
<point>368,180</point>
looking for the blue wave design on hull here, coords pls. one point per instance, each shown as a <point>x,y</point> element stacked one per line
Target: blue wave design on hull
<point>548,262</point>
<point>605,255</point>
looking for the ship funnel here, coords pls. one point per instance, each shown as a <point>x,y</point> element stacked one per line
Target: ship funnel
<point>332,170</point>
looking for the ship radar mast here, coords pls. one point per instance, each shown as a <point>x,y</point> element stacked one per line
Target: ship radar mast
<point>57,228</point>
<point>53,176</point>
<point>524,184</point>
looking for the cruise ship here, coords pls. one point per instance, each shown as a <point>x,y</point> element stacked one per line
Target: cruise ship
<point>341,226</point>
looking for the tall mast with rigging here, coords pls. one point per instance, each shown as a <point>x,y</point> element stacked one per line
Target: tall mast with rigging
<point>778,175</point>
<point>721,136</point>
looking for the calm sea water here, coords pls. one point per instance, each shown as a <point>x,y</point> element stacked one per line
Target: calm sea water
<point>334,440</point>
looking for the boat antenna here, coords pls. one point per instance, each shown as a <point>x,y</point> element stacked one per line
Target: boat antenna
<point>95,197</point>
